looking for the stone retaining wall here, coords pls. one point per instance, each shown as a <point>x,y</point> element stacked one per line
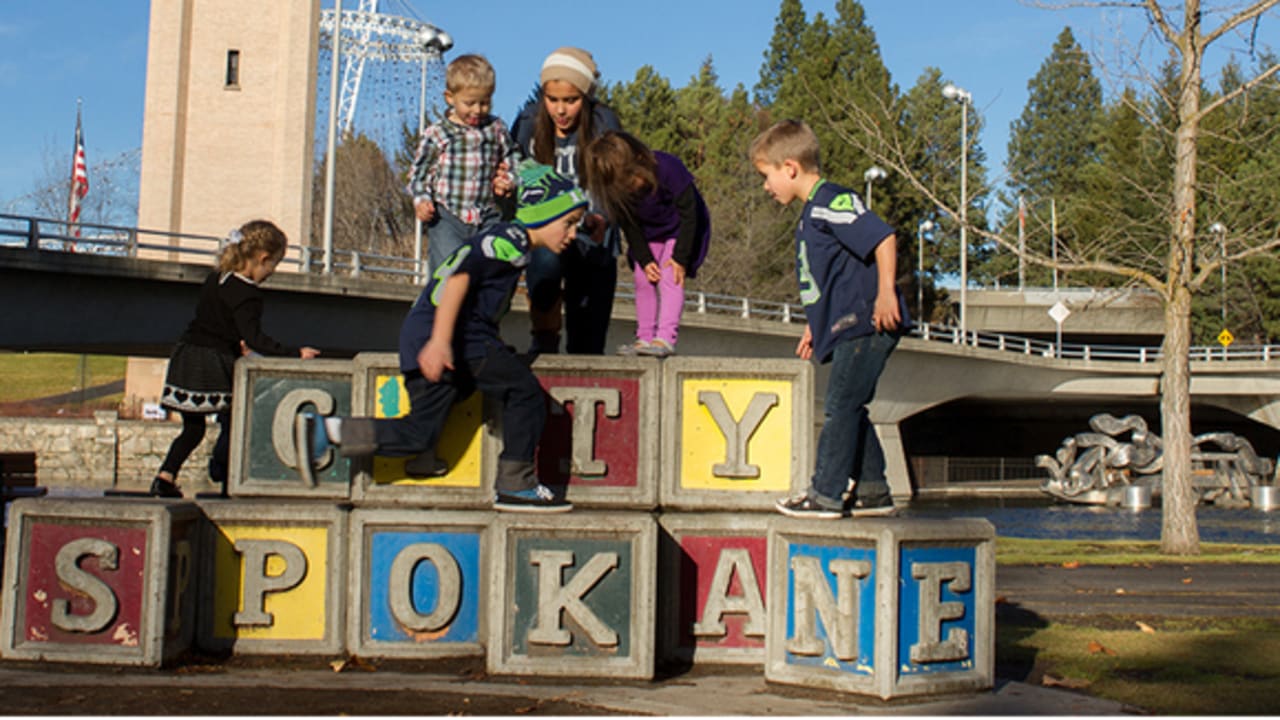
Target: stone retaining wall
<point>102,452</point>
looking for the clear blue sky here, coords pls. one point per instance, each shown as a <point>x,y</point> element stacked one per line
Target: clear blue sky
<point>55,51</point>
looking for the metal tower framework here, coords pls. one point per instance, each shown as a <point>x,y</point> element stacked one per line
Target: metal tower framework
<point>370,35</point>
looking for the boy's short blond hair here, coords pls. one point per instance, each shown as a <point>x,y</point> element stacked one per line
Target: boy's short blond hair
<point>787,140</point>
<point>469,71</point>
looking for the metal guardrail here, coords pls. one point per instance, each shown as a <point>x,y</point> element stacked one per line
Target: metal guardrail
<point>58,236</point>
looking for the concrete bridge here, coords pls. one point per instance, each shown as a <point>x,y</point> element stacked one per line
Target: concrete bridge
<point>942,395</point>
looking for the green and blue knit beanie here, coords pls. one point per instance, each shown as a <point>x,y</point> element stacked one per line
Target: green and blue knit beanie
<point>544,195</point>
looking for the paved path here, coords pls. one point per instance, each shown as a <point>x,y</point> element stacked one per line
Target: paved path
<point>284,686</point>
<point>733,692</point>
<point>1155,590</point>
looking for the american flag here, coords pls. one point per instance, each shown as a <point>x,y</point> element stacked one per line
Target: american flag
<point>79,181</point>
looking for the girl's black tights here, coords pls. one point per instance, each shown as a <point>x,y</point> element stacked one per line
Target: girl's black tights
<point>193,426</point>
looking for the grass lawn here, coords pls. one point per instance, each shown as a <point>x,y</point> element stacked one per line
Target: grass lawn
<point>28,376</point>
<point>1173,666</point>
<point>1021,551</point>
<point>1215,666</point>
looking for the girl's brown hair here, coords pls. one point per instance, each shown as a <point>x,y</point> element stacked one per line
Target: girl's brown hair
<point>616,160</point>
<point>250,239</point>
<point>544,133</point>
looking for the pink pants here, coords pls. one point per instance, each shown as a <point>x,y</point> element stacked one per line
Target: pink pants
<point>658,307</point>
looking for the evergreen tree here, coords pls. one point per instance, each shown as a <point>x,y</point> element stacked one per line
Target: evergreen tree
<point>647,108</point>
<point>1050,146</point>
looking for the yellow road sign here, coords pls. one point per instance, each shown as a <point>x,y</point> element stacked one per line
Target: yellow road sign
<point>1225,338</point>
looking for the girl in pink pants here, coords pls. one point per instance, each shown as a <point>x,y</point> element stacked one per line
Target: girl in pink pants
<point>652,197</point>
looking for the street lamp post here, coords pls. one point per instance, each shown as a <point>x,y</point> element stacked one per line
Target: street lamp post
<point>1221,231</point>
<point>951,91</point>
<point>924,227</point>
<point>873,173</point>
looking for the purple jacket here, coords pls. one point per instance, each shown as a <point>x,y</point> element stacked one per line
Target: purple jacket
<point>674,209</point>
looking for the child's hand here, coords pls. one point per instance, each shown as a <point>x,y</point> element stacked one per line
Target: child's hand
<point>677,273</point>
<point>594,224</point>
<point>425,210</point>
<point>503,181</point>
<point>804,349</point>
<point>652,273</point>
<point>433,359</point>
<point>308,352</point>
<point>885,316</point>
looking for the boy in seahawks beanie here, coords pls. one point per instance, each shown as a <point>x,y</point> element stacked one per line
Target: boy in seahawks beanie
<point>450,346</point>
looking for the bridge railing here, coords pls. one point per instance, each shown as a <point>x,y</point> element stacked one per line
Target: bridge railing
<point>59,236</point>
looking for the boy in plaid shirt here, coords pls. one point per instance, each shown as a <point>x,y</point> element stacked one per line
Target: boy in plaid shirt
<point>457,164</point>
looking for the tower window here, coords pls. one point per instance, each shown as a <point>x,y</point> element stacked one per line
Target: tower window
<point>233,68</point>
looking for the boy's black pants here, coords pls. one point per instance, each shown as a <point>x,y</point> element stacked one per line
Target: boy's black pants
<point>499,375</point>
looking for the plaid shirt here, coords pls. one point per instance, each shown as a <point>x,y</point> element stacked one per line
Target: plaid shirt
<point>455,165</point>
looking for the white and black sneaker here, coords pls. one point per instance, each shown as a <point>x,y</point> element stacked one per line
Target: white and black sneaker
<point>802,506</point>
<point>871,508</point>
<point>537,499</point>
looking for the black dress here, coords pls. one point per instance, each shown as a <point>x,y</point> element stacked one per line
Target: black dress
<point>199,377</point>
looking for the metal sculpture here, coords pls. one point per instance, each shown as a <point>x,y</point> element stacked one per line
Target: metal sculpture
<point>1096,467</point>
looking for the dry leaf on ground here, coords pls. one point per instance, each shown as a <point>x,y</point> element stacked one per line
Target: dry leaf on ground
<point>1096,647</point>
<point>1144,627</point>
<point>1071,683</point>
<point>1071,564</point>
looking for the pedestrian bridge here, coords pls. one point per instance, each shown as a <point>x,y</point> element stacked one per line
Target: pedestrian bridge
<point>943,392</point>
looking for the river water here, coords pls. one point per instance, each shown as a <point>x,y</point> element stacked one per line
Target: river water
<point>1066,521</point>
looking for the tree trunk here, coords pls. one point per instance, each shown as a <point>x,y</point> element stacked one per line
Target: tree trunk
<point>1179,534</point>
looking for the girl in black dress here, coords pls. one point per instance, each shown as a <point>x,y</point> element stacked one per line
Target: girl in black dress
<point>227,324</point>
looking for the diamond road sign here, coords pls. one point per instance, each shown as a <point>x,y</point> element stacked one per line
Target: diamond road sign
<point>1059,312</point>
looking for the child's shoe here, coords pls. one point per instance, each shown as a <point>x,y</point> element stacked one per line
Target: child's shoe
<point>802,506</point>
<point>636,348</point>
<point>874,506</point>
<point>162,488</point>
<point>426,465</point>
<point>658,348</point>
<point>310,426</point>
<point>537,499</point>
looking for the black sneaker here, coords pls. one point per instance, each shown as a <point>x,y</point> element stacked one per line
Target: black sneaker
<point>877,506</point>
<point>426,466</point>
<point>537,499</point>
<point>162,488</point>
<point>802,506</point>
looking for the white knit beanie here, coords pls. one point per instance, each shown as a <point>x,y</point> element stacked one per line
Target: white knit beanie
<point>572,65</point>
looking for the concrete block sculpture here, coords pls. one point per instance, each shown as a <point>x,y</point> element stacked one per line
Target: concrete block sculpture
<point>100,580</point>
<point>734,436</point>
<point>466,445</point>
<point>269,393</point>
<point>573,595</point>
<point>600,445</point>
<point>274,576</point>
<point>714,570</point>
<point>419,580</point>
<point>887,607</point>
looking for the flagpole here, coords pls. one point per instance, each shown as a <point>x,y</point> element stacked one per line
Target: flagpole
<point>79,183</point>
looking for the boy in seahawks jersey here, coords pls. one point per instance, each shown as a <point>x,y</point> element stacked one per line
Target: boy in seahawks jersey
<point>450,346</point>
<point>846,263</point>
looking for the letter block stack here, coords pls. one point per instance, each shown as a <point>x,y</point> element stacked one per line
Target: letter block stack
<point>103,581</point>
<point>672,553</point>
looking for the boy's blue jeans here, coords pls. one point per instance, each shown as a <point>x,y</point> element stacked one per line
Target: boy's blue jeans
<point>446,233</point>
<point>848,446</point>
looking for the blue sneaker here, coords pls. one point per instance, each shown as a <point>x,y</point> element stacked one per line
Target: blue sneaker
<point>537,499</point>
<point>310,426</point>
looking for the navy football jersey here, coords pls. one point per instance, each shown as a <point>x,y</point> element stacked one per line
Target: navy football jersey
<point>494,261</point>
<point>836,242</point>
